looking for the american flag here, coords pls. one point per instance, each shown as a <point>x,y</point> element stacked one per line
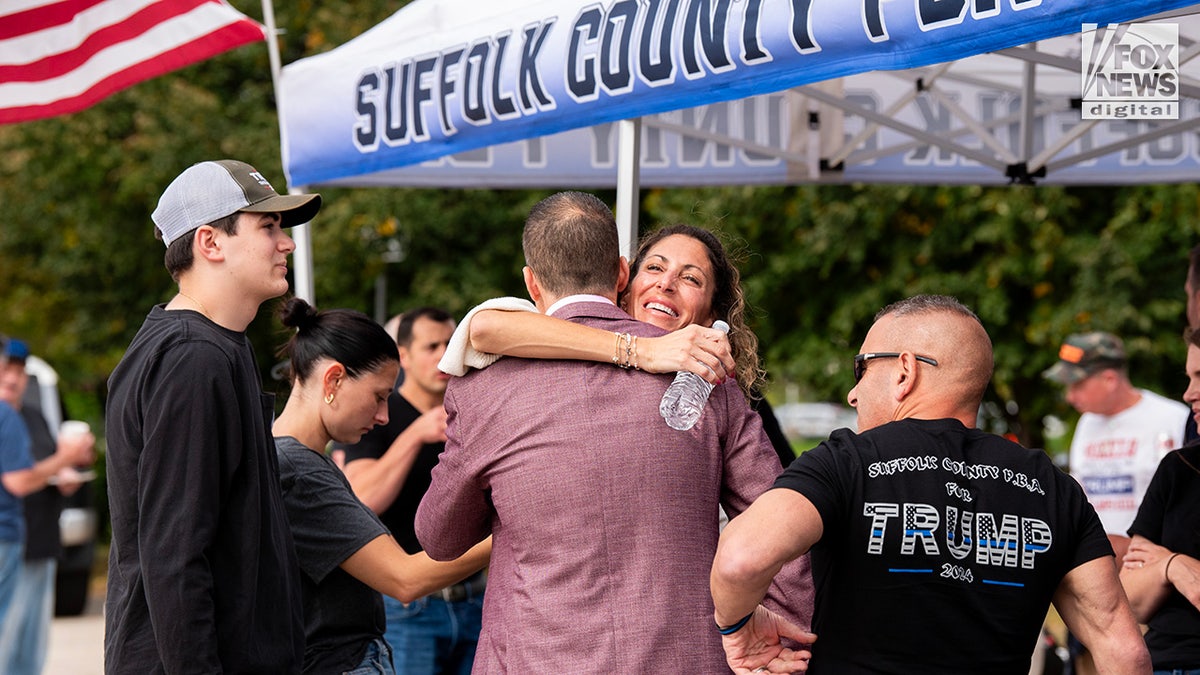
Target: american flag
<point>61,56</point>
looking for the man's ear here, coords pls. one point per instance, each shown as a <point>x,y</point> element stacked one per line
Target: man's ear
<point>531,284</point>
<point>206,244</point>
<point>622,275</point>
<point>905,376</point>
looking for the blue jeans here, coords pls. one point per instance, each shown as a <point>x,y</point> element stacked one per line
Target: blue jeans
<point>10,569</point>
<point>432,636</point>
<point>377,660</point>
<point>1178,671</point>
<point>26,629</point>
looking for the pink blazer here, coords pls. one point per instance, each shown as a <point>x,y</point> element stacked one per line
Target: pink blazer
<point>604,519</point>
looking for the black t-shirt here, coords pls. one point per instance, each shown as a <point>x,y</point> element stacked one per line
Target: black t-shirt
<point>400,515</point>
<point>942,548</point>
<point>342,615</point>
<point>42,508</point>
<point>1170,516</point>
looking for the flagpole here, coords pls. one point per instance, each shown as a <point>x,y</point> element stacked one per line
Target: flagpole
<point>302,262</point>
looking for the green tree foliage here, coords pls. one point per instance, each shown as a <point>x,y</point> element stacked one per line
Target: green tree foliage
<point>80,267</point>
<point>1035,263</point>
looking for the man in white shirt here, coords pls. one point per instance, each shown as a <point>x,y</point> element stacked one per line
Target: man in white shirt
<point>1123,431</point>
<point>1122,434</point>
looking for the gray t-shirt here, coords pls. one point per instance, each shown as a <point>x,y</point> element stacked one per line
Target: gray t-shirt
<point>342,615</point>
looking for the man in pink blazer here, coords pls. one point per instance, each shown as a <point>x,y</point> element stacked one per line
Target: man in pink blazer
<point>604,519</point>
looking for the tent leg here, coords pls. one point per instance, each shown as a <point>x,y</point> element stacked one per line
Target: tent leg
<point>302,264</point>
<point>629,152</point>
<point>1028,104</point>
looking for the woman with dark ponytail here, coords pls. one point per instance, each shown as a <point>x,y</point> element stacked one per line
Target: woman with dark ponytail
<point>343,366</point>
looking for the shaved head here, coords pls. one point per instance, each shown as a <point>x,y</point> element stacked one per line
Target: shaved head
<point>943,328</point>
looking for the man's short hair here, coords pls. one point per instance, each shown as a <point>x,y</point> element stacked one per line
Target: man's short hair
<point>404,329</point>
<point>922,304</point>
<point>571,244</point>
<point>179,258</point>
<point>976,357</point>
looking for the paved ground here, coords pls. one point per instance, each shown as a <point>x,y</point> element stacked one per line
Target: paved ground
<point>77,643</point>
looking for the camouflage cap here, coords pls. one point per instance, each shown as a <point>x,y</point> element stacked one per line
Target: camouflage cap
<point>1084,354</point>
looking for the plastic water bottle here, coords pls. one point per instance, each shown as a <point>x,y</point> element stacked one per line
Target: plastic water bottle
<point>685,398</point>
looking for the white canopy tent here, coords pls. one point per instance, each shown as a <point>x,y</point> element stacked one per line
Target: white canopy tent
<point>524,93</point>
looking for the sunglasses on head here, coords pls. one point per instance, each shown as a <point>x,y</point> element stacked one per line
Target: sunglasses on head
<point>860,361</point>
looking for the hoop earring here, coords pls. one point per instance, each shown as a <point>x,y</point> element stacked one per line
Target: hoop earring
<point>329,398</point>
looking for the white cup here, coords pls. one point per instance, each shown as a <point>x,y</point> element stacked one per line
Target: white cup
<point>74,428</point>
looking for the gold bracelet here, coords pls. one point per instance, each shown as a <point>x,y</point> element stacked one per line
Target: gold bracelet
<point>624,364</point>
<point>635,354</point>
<point>617,349</point>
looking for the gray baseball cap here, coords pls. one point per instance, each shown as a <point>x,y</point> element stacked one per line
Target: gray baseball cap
<point>209,191</point>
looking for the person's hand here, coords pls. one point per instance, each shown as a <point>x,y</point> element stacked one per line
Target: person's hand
<point>756,648</point>
<point>68,481</point>
<point>703,351</point>
<point>1144,553</point>
<point>431,426</point>
<point>77,449</point>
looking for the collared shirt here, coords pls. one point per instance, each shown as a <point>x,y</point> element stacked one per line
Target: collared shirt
<point>572,299</point>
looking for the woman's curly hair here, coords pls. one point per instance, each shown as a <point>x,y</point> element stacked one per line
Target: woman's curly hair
<point>728,302</point>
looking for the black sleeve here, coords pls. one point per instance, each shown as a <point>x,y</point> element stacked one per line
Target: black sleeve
<point>192,430</point>
<point>328,523</point>
<point>1149,519</point>
<point>779,440</point>
<point>822,475</point>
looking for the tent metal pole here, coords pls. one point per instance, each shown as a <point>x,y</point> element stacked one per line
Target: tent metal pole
<point>983,134</point>
<point>1084,126</point>
<point>869,129</point>
<point>302,261</point>
<point>1028,103</point>
<point>721,139</point>
<point>302,257</point>
<point>629,153</point>
<point>1163,129</point>
<point>933,139</point>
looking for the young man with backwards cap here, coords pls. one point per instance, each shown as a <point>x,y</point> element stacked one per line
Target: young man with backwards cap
<point>202,572</point>
<point>1122,434</point>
